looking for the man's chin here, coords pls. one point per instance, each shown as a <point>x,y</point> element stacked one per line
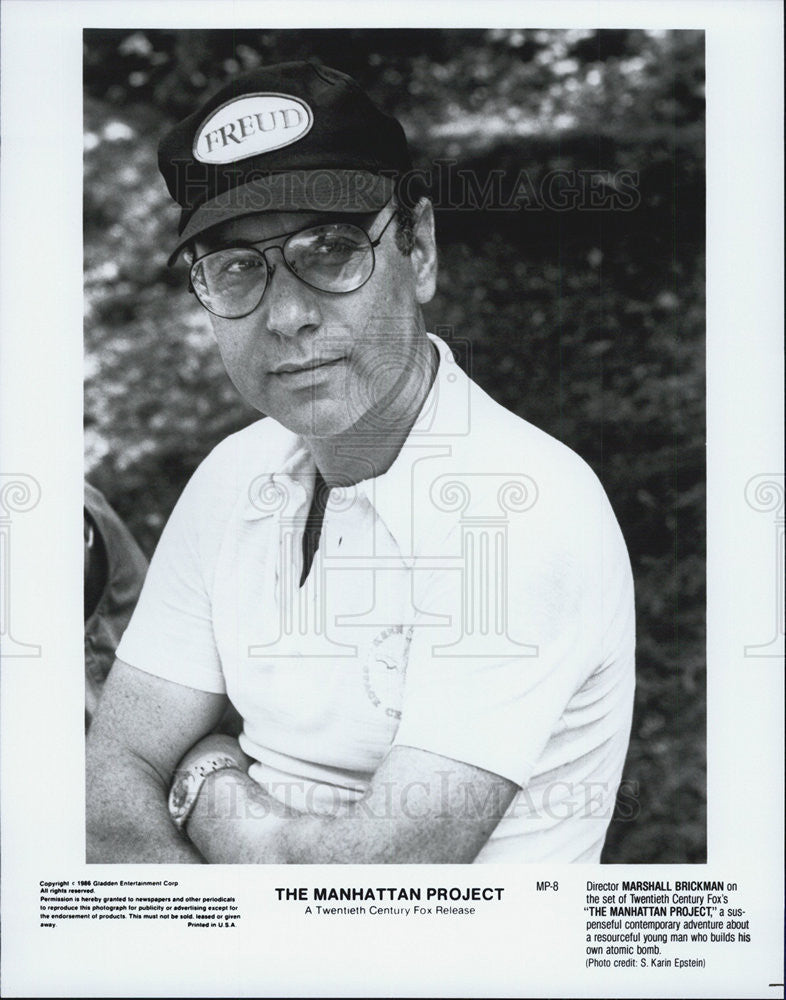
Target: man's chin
<point>320,419</point>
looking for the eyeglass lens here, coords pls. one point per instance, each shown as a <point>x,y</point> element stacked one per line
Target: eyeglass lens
<point>333,258</point>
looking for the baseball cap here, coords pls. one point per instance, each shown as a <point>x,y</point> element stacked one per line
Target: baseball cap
<point>287,137</point>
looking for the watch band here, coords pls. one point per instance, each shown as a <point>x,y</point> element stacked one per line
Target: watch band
<point>187,783</point>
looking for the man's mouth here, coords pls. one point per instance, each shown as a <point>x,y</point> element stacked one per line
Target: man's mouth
<point>294,367</point>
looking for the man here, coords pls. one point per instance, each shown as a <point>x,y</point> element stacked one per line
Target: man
<point>420,605</point>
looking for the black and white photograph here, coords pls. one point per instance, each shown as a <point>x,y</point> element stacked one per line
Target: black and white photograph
<point>394,620</point>
<point>418,376</point>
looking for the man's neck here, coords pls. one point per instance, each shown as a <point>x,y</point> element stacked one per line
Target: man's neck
<point>369,448</point>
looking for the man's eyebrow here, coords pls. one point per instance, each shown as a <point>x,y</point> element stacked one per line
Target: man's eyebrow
<point>237,241</point>
<point>330,220</point>
<point>243,241</point>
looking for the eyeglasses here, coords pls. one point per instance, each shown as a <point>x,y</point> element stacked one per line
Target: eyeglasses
<point>336,257</point>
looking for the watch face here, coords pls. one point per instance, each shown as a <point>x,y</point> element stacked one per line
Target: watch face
<point>180,794</point>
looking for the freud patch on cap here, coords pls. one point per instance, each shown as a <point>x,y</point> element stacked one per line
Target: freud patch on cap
<point>246,126</point>
<point>290,137</point>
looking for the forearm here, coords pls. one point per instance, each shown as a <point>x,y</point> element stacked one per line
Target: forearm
<point>234,821</point>
<point>127,815</point>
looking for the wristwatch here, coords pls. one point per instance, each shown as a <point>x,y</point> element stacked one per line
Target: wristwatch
<point>187,783</point>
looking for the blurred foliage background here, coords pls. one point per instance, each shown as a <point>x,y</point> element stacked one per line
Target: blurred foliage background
<point>587,321</point>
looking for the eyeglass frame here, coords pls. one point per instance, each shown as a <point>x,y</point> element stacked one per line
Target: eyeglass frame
<point>270,269</point>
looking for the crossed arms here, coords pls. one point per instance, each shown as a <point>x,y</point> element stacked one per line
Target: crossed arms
<point>416,809</point>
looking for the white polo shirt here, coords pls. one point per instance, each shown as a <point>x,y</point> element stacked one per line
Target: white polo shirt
<point>475,601</point>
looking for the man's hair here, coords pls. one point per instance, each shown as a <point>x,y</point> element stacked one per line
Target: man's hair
<point>405,229</point>
<point>408,196</point>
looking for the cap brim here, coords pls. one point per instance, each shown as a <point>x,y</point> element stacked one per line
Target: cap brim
<point>294,191</point>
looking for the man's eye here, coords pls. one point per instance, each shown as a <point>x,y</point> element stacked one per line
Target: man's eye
<point>337,245</point>
<point>240,265</point>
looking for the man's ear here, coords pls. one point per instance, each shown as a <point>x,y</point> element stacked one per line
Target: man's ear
<point>424,252</point>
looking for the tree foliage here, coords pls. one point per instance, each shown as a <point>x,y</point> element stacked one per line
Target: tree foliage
<point>586,320</point>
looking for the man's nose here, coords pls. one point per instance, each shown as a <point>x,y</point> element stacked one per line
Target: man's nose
<point>289,307</point>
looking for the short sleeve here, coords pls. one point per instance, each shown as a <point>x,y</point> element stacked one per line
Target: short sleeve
<point>170,633</point>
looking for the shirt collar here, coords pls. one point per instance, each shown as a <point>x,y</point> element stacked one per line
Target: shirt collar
<point>285,491</point>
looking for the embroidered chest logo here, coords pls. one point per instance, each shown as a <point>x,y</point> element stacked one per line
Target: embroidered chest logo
<point>386,667</point>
